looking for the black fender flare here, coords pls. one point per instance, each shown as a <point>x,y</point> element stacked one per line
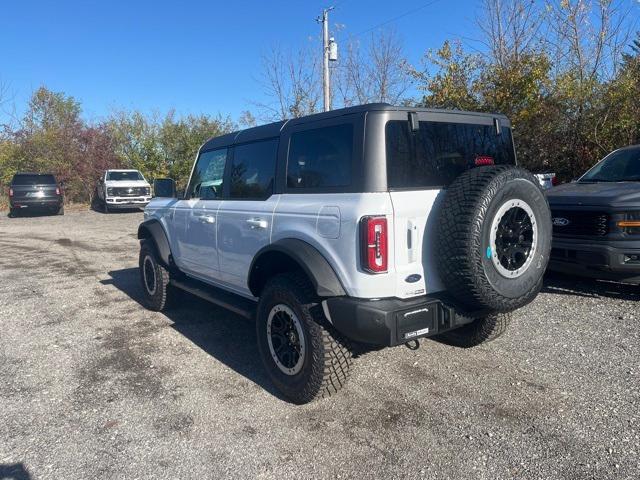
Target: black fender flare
<point>152,229</point>
<point>322,276</point>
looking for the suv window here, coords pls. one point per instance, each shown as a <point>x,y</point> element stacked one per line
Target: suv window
<point>120,176</point>
<point>33,179</point>
<point>253,169</point>
<point>321,157</point>
<point>208,173</point>
<point>440,151</point>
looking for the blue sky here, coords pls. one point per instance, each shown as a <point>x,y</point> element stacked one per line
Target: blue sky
<point>193,56</point>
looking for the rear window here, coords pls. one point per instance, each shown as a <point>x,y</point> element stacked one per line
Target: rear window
<point>31,179</point>
<point>119,176</point>
<point>440,151</point>
<point>321,157</point>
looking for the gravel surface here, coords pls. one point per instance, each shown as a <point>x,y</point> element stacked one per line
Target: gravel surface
<point>94,386</point>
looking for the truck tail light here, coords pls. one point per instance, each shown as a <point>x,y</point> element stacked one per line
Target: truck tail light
<point>11,192</point>
<point>57,190</point>
<point>373,232</point>
<point>554,180</point>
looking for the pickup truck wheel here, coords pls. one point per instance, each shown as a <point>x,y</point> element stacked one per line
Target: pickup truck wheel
<point>494,238</point>
<point>481,330</point>
<point>302,353</point>
<point>105,207</point>
<point>157,293</point>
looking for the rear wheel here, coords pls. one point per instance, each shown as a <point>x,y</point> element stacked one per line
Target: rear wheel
<point>481,330</point>
<point>302,353</point>
<point>154,277</point>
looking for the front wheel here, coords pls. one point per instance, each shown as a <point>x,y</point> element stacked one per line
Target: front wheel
<point>302,353</point>
<point>154,277</point>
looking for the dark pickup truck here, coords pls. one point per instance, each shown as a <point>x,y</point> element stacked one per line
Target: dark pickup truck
<point>596,220</point>
<point>35,191</point>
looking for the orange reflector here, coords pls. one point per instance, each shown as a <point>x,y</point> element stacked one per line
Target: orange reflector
<point>629,223</point>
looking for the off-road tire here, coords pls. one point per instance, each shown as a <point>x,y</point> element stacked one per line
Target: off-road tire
<point>464,250</point>
<point>327,360</point>
<point>161,297</point>
<point>481,330</point>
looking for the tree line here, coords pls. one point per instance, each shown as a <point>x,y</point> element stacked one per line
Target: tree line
<point>566,72</point>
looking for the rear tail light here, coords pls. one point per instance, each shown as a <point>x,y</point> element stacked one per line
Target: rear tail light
<point>554,181</point>
<point>57,190</point>
<point>482,160</point>
<point>11,192</point>
<point>373,232</point>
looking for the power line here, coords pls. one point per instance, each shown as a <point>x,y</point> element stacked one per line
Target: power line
<point>391,20</point>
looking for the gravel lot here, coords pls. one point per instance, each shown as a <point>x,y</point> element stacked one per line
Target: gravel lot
<point>94,386</point>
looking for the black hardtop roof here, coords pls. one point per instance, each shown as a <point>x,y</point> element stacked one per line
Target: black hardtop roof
<point>271,130</point>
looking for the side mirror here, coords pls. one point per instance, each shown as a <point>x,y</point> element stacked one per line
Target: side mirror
<point>164,187</point>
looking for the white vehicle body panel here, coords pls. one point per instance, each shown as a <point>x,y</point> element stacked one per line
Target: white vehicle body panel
<point>220,251</point>
<point>415,215</point>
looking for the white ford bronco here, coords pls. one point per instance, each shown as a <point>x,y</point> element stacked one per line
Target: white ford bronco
<point>367,226</point>
<point>120,188</point>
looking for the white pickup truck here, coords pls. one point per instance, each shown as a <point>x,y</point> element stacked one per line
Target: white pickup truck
<point>123,189</point>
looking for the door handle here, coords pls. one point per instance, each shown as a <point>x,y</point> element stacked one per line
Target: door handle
<point>207,218</point>
<point>257,223</point>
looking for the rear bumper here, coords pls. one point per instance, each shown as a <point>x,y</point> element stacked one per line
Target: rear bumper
<point>47,202</point>
<point>390,322</point>
<point>613,261</point>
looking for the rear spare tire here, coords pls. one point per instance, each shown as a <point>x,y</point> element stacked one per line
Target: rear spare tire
<point>494,238</point>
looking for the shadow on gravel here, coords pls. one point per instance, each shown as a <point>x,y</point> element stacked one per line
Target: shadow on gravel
<point>558,283</point>
<point>14,471</point>
<point>229,338</point>
<point>30,213</point>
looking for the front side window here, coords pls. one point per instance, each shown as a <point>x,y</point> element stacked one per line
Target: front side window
<point>619,166</point>
<point>439,152</point>
<point>253,170</point>
<point>206,181</point>
<point>321,157</point>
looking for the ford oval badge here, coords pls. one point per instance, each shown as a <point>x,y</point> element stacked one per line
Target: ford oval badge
<point>413,278</point>
<point>560,222</point>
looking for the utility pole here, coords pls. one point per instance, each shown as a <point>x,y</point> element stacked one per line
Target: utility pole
<point>326,82</point>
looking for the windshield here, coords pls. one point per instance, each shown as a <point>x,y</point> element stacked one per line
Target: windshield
<point>33,179</point>
<point>129,175</point>
<point>619,166</point>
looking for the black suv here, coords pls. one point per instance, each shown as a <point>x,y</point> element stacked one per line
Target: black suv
<point>35,191</point>
<point>596,220</point>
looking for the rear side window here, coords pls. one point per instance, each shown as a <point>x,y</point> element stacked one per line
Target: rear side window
<point>253,169</point>
<point>321,157</point>
<point>33,179</point>
<point>206,181</point>
<point>440,151</point>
